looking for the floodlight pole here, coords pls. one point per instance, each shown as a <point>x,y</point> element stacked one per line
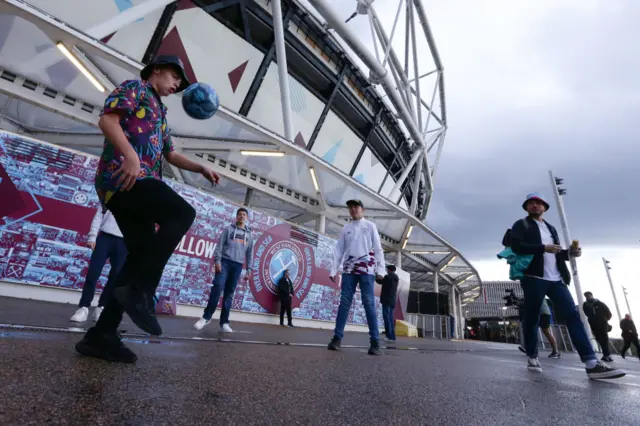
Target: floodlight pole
<point>572,259</point>
<point>613,291</point>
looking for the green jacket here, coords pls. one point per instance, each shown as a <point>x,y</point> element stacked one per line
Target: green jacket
<point>518,263</point>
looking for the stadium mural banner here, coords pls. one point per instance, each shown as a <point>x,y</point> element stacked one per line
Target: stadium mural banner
<point>48,203</point>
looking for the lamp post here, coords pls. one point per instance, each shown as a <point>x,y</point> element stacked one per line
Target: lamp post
<point>626,299</point>
<point>615,298</point>
<point>557,193</point>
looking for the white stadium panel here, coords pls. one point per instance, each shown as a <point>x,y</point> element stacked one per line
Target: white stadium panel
<point>28,51</point>
<point>306,108</point>
<point>133,39</point>
<point>215,53</point>
<point>337,144</point>
<point>388,186</point>
<point>84,14</point>
<point>370,171</point>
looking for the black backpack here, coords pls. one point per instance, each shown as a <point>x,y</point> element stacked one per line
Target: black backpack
<point>506,240</point>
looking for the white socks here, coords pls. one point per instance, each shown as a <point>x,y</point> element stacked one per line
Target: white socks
<point>591,363</point>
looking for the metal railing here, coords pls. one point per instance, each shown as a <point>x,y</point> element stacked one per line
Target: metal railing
<point>431,326</point>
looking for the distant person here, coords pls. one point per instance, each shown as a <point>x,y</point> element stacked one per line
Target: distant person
<point>105,239</point>
<point>599,315</point>
<point>629,335</point>
<point>285,292</point>
<point>232,251</point>
<point>360,259</point>
<point>548,274</point>
<point>388,295</point>
<point>545,325</point>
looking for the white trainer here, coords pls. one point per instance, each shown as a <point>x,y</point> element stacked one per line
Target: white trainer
<point>201,323</point>
<point>97,311</point>
<point>81,315</point>
<point>226,329</point>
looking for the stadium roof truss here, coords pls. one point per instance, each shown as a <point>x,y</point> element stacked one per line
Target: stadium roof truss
<point>38,106</point>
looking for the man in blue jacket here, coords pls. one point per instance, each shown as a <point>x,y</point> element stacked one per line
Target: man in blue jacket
<point>548,275</point>
<point>232,251</point>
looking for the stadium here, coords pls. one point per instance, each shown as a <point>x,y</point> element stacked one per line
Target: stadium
<point>293,139</point>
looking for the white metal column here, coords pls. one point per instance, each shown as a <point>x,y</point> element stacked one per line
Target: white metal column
<point>321,223</point>
<point>454,310</point>
<point>125,18</point>
<point>283,73</point>
<point>461,322</point>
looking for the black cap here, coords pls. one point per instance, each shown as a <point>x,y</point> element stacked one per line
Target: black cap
<point>391,267</point>
<point>355,203</point>
<point>170,60</point>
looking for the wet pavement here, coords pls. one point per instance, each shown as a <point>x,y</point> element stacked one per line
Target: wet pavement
<point>181,380</point>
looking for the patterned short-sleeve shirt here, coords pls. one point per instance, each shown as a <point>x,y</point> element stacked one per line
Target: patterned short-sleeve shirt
<point>144,123</point>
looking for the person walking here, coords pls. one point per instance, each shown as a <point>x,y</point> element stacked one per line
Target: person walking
<point>232,251</point>
<point>388,295</point>
<point>548,275</point>
<point>598,315</point>
<point>545,325</point>
<point>285,292</point>
<point>105,239</point>
<point>359,257</point>
<point>629,335</point>
<point>129,185</point>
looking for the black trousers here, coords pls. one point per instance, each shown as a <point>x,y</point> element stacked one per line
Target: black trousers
<point>285,305</point>
<point>602,337</point>
<point>137,212</point>
<point>627,344</point>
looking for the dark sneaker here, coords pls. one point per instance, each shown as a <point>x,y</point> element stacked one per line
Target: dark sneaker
<point>601,371</point>
<point>374,349</point>
<point>554,355</point>
<point>523,350</point>
<point>140,307</point>
<point>107,346</point>
<point>534,365</point>
<point>291,325</point>
<point>334,344</point>
<point>607,359</point>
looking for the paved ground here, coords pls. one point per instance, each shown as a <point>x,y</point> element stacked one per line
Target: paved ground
<point>179,380</point>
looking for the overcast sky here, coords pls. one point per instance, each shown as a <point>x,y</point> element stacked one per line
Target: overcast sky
<point>534,86</point>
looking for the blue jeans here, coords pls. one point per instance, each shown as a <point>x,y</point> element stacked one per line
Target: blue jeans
<point>389,321</point>
<point>349,284</point>
<point>107,247</point>
<point>534,291</point>
<point>227,281</point>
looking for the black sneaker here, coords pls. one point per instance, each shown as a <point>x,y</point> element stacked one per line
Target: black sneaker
<point>374,349</point>
<point>334,344</point>
<point>607,359</point>
<point>140,308</point>
<point>601,371</point>
<point>521,349</point>
<point>291,325</point>
<point>107,346</point>
<point>554,355</point>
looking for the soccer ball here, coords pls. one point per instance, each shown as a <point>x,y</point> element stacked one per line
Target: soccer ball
<point>200,101</point>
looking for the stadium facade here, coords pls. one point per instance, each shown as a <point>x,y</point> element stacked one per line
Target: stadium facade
<point>338,118</point>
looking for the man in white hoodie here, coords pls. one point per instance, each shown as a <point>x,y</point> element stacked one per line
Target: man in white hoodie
<point>105,239</point>
<point>359,256</point>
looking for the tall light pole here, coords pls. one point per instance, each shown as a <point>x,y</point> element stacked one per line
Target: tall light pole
<point>613,291</point>
<point>626,299</point>
<point>558,192</point>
